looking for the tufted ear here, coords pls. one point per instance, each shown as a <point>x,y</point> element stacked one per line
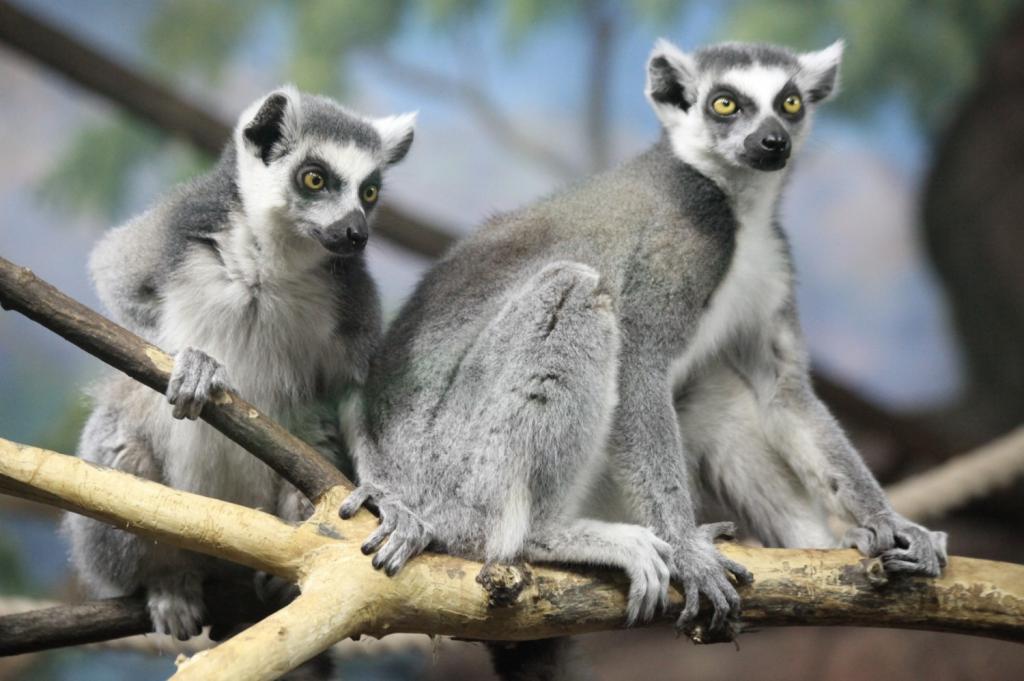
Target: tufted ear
<point>271,124</point>
<point>396,133</point>
<point>671,80</point>
<point>819,72</point>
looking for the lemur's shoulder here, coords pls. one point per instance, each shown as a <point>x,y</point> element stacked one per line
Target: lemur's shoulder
<point>131,263</point>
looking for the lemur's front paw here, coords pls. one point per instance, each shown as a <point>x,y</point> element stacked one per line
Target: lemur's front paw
<point>196,377</point>
<point>699,568</point>
<point>648,569</point>
<point>406,534</point>
<point>903,546</point>
<point>175,605</point>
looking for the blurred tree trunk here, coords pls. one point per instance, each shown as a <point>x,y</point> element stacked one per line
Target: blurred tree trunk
<point>973,220</point>
<point>974,230</point>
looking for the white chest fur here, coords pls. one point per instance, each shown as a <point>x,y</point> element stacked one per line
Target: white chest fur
<point>754,288</point>
<point>275,331</point>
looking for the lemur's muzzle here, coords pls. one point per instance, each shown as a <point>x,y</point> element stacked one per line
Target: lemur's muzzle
<point>345,236</point>
<point>768,147</point>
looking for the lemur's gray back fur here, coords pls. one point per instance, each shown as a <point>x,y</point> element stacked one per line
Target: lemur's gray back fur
<point>629,348</point>
<point>259,264</point>
<point>605,222</point>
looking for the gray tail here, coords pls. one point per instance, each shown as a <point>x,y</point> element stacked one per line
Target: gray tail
<point>551,659</point>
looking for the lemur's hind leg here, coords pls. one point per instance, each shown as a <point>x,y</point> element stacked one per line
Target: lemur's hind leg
<point>552,357</point>
<point>738,468</point>
<point>115,562</point>
<point>529,410</point>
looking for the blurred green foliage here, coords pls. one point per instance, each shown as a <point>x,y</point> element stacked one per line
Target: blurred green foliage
<point>98,165</point>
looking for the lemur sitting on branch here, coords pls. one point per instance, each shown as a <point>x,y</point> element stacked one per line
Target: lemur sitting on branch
<point>260,264</point>
<point>623,350</point>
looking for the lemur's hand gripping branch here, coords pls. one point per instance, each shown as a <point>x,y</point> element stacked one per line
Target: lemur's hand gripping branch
<point>294,460</point>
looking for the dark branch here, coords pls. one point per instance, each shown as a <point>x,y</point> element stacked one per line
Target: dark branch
<point>166,109</point>
<point>296,461</point>
<point>73,625</point>
<point>230,604</point>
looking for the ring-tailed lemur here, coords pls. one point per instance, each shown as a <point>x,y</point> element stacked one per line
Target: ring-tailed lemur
<point>549,351</point>
<point>260,264</point>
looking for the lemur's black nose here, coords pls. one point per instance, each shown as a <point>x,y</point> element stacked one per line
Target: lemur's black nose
<point>768,147</point>
<point>774,141</point>
<point>345,236</point>
<point>358,238</point>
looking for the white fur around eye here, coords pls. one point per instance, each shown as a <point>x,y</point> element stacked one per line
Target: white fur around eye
<point>760,83</point>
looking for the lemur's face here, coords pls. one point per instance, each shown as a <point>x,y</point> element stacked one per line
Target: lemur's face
<point>331,192</point>
<point>310,169</point>
<point>736,107</point>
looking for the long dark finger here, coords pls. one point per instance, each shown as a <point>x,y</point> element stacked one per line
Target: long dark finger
<point>692,605</point>
<point>721,606</point>
<point>354,501</point>
<point>387,526</point>
<point>742,574</point>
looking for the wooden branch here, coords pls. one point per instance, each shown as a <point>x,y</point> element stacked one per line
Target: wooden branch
<point>47,634</point>
<point>243,535</point>
<point>166,109</point>
<point>59,626</point>
<point>296,461</point>
<point>73,625</point>
<point>230,603</point>
<point>441,595</point>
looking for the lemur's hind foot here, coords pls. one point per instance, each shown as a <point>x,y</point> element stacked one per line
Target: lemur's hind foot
<point>175,604</point>
<point>903,546</point>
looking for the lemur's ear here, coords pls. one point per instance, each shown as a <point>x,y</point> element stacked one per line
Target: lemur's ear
<point>396,133</point>
<point>671,80</point>
<point>270,124</point>
<point>819,72</point>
